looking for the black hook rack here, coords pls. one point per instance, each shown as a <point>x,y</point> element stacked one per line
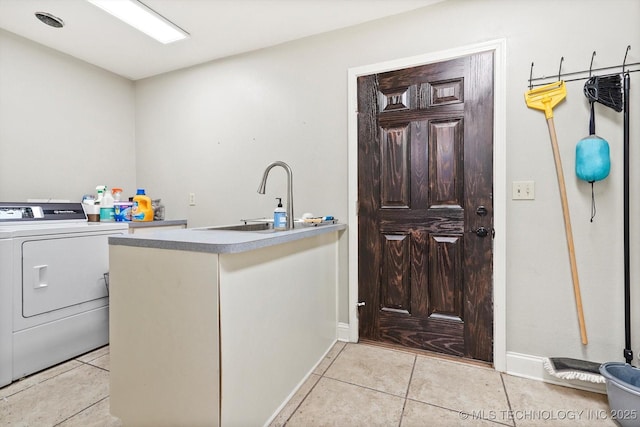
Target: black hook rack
<point>584,74</point>
<point>560,67</point>
<point>624,61</point>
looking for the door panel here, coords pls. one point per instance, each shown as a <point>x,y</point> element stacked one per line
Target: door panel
<point>395,167</point>
<point>445,275</point>
<point>395,291</point>
<point>62,272</point>
<point>425,152</point>
<point>445,167</point>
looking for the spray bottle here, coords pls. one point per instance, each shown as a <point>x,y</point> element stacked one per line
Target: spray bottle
<point>107,212</point>
<point>100,189</point>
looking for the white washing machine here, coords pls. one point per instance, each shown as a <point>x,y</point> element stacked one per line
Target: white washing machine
<point>54,302</point>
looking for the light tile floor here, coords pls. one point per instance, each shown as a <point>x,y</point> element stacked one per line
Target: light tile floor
<point>355,385</point>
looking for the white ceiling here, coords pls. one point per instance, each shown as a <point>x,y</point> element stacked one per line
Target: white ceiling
<point>218,28</point>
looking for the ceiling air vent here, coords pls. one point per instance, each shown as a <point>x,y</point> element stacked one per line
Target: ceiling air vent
<point>50,20</point>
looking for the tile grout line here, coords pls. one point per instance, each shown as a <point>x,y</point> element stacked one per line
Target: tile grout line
<point>359,385</point>
<point>92,365</point>
<point>6,398</point>
<point>407,398</point>
<point>506,395</point>
<point>334,359</point>
<point>314,386</point>
<point>368,388</point>
<point>74,359</point>
<point>80,411</point>
<point>406,395</point>
<point>457,411</point>
<point>45,380</point>
<point>42,381</point>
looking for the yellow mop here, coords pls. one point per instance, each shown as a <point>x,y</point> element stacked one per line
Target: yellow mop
<point>545,98</point>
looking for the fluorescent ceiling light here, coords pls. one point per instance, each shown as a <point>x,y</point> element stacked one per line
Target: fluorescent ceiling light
<point>143,18</point>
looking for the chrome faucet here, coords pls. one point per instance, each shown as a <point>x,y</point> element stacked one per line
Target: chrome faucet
<point>263,187</point>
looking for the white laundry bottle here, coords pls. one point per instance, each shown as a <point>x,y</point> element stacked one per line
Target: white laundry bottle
<point>107,211</point>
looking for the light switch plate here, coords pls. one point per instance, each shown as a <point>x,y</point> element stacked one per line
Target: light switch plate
<point>524,190</point>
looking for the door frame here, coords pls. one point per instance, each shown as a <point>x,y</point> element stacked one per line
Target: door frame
<point>499,181</point>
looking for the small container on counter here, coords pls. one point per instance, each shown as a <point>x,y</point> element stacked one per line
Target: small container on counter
<point>123,211</point>
<point>92,211</point>
<point>279,216</point>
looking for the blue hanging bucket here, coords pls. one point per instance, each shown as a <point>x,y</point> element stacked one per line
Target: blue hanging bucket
<point>592,159</point>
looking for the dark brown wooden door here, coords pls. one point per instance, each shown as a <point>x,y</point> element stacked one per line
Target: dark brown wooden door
<point>425,178</point>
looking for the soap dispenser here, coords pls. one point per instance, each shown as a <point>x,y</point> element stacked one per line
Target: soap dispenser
<point>279,216</point>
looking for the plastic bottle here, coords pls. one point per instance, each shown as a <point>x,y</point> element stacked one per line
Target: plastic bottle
<point>142,209</point>
<point>279,216</point>
<point>117,194</point>
<point>122,210</point>
<point>107,212</point>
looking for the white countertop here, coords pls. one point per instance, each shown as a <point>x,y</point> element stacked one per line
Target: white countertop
<point>220,241</point>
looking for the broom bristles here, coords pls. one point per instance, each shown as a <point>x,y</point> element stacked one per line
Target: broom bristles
<point>605,90</point>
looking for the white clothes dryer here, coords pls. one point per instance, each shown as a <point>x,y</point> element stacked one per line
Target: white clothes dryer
<point>54,302</point>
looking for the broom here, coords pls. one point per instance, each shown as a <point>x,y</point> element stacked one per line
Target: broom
<point>605,90</point>
<point>611,92</point>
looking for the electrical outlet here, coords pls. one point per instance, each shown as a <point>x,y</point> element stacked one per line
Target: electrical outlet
<point>192,199</point>
<point>524,190</point>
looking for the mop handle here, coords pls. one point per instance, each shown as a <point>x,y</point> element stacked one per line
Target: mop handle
<point>567,227</point>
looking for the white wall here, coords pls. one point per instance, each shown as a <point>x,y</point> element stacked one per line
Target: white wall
<point>65,126</point>
<point>212,129</point>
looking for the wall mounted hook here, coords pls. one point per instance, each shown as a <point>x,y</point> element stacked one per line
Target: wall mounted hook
<point>625,57</point>
<point>591,65</point>
<point>560,67</point>
<point>530,77</point>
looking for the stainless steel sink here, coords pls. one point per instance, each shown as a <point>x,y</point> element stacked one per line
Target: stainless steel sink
<point>250,226</point>
<point>259,226</point>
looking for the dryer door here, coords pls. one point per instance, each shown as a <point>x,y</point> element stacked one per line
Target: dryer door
<point>63,272</point>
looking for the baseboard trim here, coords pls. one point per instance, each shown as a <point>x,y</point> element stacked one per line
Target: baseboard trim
<point>528,366</point>
<point>344,332</point>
